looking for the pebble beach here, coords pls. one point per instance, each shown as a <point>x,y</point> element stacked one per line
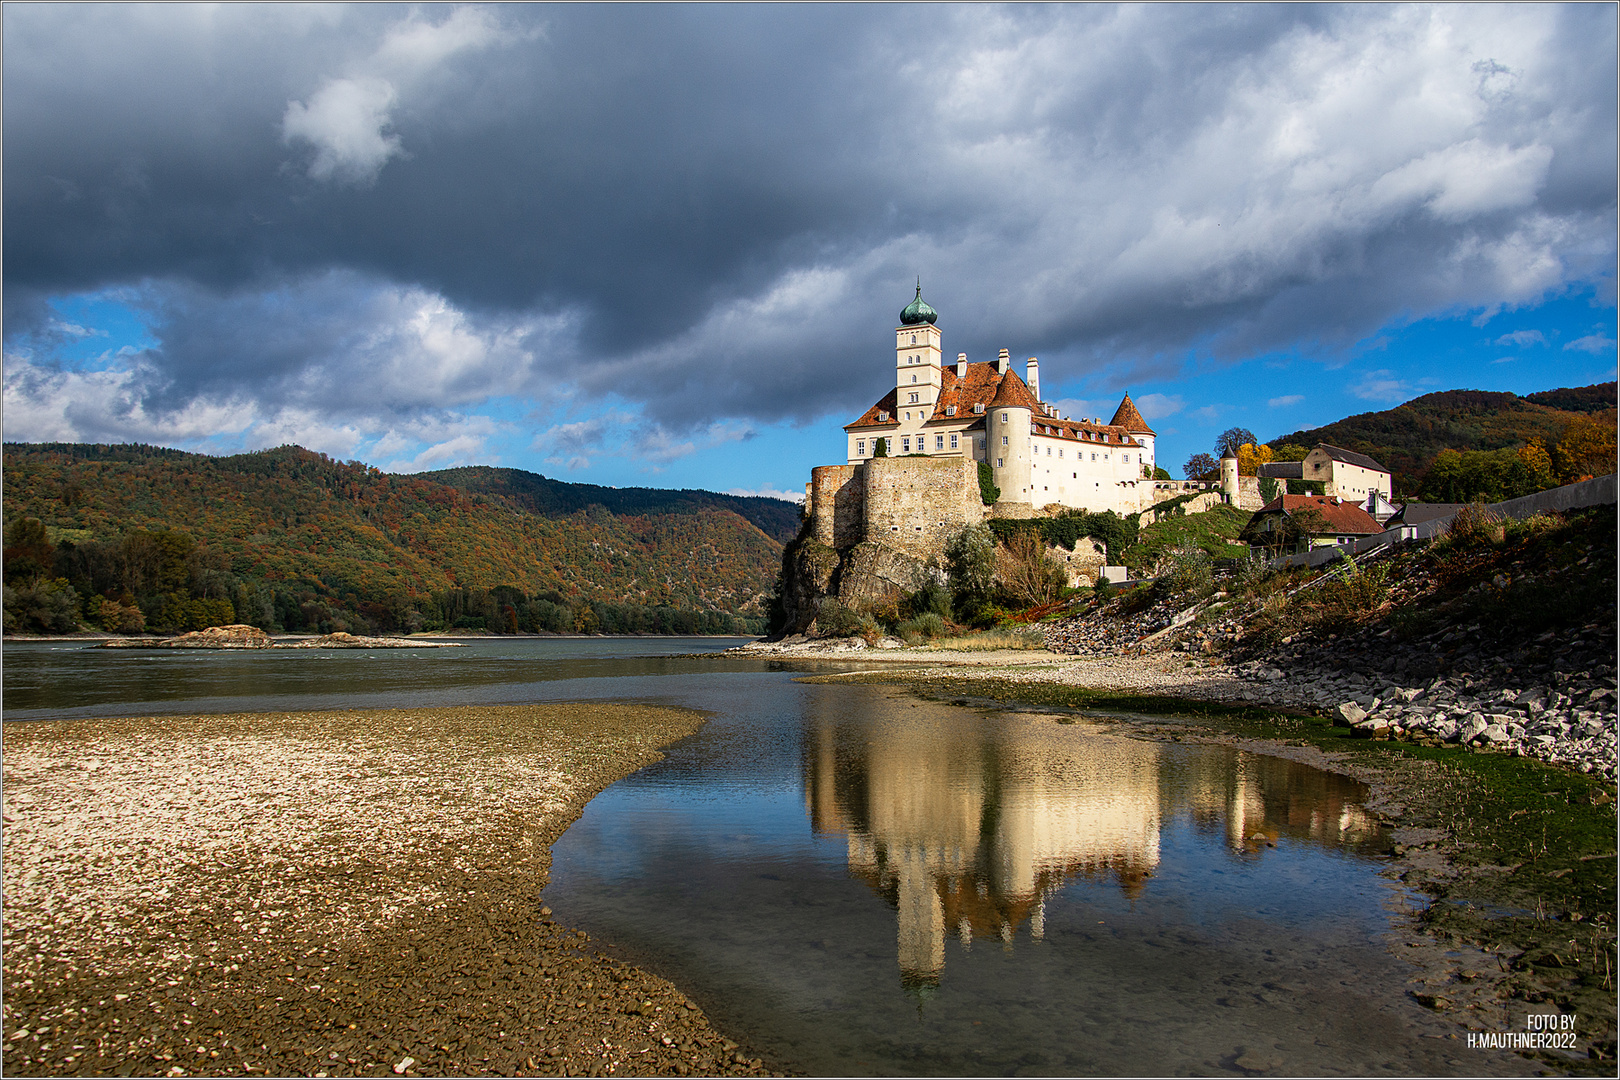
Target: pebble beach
<point>323,894</point>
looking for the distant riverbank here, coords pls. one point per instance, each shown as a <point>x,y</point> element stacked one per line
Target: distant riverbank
<point>322,893</point>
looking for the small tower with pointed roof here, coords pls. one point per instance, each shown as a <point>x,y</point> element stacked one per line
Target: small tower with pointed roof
<point>1007,425</point>
<point>1127,417</point>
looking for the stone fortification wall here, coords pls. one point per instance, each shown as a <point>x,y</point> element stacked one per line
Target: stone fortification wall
<point>1248,495</point>
<point>837,496</point>
<point>1191,506</point>
<point>913,504</point>
<point>1084,564</point>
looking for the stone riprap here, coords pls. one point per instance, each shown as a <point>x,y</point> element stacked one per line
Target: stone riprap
<point>1549,695</point>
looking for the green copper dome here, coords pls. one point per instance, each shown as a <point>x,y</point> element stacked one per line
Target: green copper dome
<point>918,311</point>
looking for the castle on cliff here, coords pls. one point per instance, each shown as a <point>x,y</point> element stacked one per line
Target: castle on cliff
<point>940,422</point>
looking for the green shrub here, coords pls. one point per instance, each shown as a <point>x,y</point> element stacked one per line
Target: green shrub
<point>869,629</point>
<point>1185,573</point>
<point>1355,590</point>
<point>834,619</point>
<point>1475,526</point>
<point>931,595</point>
<point>970,568</point>
<point>924,627</point>
<point>1531,528</point>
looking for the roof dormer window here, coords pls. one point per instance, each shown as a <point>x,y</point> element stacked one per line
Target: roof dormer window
<point>978,408</point>
<point>950,410</point>
<point>883,415</point>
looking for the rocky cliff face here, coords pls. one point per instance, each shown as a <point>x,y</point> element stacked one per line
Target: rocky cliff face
<point>864,573</point>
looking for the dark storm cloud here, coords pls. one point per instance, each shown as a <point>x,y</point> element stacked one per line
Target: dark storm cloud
<point>714,212</point>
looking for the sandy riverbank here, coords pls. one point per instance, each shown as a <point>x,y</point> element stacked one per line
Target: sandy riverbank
<point>346,893</point>
<point>1149,673</point>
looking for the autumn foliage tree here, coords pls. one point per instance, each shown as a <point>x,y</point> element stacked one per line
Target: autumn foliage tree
<point>1250,457</point>
<point>1585,449</point>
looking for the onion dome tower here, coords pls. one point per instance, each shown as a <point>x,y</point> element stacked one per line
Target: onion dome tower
<point>918,377</point>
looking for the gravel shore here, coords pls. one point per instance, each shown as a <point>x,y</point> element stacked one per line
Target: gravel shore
<point>323,894</point>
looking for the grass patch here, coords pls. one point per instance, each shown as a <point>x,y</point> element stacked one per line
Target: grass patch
<point>1211,532</point>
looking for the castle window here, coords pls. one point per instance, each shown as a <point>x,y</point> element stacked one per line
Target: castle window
<point>914,399</point>
<point>905,444</point>
<point>1003,418</point>
<point>978,408</point>
<point>1004,440</point>
<point>1093,457</point>
<point>953,441</point>
<point>914,379</point>
<point>914,339</point>
<point>939,442</point>
<point>883,415</point>
<point>998,463</point>
<point>950,410</point>
<point>860,447</point>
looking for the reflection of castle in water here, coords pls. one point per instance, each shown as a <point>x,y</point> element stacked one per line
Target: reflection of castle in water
<point>968,828</point>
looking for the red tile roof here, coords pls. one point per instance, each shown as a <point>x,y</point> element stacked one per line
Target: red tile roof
<point>984,385</point>
<point>1013,394</point>
<point>1128,418</point>
<point>1338,515</point>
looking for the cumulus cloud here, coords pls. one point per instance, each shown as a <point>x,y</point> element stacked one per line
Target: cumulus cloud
<point>1157,406</point>
<point>1596,344</point>
<point>1382,385</point>
<point>1285,401</point>
<point>346,121</point>
<point>594,204</point>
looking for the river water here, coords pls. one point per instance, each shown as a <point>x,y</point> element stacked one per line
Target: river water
<point>858,881</point>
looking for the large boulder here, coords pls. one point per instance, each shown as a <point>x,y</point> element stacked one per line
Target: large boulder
<point>872,572</point>
<point>809,573</point>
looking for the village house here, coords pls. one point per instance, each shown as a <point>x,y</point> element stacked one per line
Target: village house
<point>1326,470</point>
<point>1292,522</point>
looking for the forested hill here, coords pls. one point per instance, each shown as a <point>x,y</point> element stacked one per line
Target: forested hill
<point>297,541</point>
<point>556,498</point>
<point>1407,438</point>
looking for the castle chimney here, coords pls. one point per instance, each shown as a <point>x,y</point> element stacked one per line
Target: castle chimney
<point>1032,376</point>
<point>1003,362</point>
<point>961,365</point>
